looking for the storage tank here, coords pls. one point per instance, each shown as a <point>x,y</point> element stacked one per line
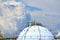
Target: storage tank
<point>35,32</point>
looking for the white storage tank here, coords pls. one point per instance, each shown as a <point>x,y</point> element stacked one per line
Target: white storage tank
<point>35,32</point>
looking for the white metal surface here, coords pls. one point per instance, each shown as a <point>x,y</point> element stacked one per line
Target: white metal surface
<point>35,33</point>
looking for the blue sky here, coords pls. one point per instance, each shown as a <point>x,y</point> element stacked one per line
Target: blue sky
<point>48,15</point>
<point>50,10</point>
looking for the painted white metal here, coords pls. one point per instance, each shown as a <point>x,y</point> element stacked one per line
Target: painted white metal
<point>35,33</point>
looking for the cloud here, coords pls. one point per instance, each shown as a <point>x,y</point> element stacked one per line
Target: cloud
<point>9,17</point>
<point>14,17</point>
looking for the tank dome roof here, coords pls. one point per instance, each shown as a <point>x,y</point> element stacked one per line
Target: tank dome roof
<point>35,32</point>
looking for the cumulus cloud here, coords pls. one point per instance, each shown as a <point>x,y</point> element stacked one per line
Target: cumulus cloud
<point>9,16</point>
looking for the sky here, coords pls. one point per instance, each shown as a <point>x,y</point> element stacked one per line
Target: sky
<point>45,11</point>
<point>50,13</point>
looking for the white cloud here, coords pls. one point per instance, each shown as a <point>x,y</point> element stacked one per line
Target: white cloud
<point>7,21</point>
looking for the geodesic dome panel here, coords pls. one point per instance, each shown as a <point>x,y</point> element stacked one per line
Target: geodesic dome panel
<point>35,33</point>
